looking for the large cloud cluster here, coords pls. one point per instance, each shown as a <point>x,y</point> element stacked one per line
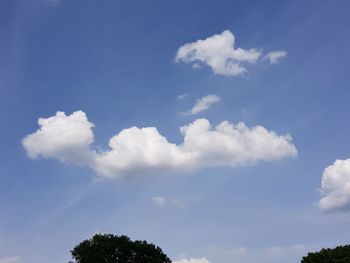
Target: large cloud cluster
<point>132,150</point>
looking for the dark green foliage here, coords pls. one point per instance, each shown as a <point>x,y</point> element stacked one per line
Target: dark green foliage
<point>339,254</point>
<point>107,248</point>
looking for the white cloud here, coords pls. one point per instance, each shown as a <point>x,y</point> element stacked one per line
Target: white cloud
<point>159,201</point>
<point>162,201</point>
<point>203,104</point>
<point>193,260</point>
<point>233,145</point>
<point>219,53</point>
<point>336,186</point>
<point>182,96</point>
<point>14,259</point>
<point>143,150</point>
<point>274,57</point>
<point>135,150</point>
<point>66,138</point>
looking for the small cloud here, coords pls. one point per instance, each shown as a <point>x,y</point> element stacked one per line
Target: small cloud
<point>182,96</point>
<point>274,57</point>
<point>203,104</point>
<point>219,53</point>
<point>196,66</point>
<point>193,260</point>
<point>162,201</point>
<point>335,186</point>
<point>159,201</point>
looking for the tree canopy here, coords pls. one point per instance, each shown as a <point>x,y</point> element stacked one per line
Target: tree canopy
<point>340,254</point>
<point>108,248</point>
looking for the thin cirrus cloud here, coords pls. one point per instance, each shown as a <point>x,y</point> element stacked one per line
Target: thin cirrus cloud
<point>69,138</point>
<point>162,202</point>
<point>203,104</point>
<point>335,186</point>
<point>274,57</point>
<point>220,54</point>
<point>53,2</point>
<point>159,201</point>
<point>14,259</point>
<point>228,251</point>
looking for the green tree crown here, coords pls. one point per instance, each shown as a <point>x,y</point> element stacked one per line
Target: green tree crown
<point>108,248</point>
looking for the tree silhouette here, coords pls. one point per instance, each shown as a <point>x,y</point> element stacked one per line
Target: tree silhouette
<point>108,248</point>
<point>340,254</point>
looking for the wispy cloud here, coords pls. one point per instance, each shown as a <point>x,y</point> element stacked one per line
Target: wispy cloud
<point>274,57</point>
<point>182,96</point>
<point>53,2</point>
<point>228,251</point>
<point>243,254</point>
<point>203,104</point>
<point>159,201</point>
<point>13,259</point>
<point>163,201</point>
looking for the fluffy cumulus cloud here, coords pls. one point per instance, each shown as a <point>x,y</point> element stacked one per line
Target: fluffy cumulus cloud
<point>193,260</point>
<point>144,150</point>
<point>203,104</point>
<point>274,57</point>
<point>219,53</point>
<point>336,186</point>
<point>66,138</point>
<point>233,145</point>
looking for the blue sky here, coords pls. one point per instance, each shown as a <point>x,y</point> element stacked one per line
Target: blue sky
<point>218,195</point>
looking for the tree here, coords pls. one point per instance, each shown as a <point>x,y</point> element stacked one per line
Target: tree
<point>340,254</point>
<point>107,248</point>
